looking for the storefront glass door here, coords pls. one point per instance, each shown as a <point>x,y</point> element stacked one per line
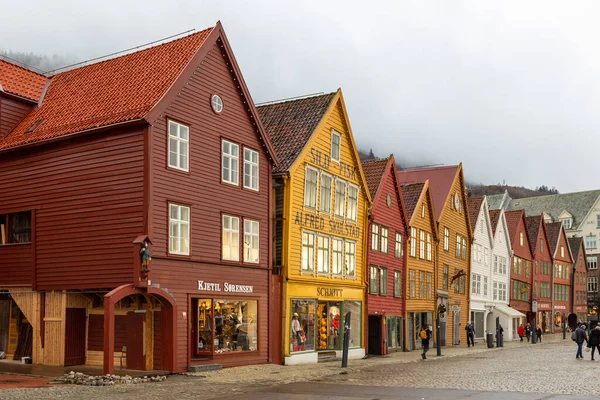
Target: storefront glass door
<point>329,317</point>
<point>204,331</point>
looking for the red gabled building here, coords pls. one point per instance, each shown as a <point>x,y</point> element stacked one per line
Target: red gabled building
<point>521,274</point>
<point>563,273</point>
<point>161,147</point>
<point>579,281</point>
<point>542,271</point>
<point>385,258</point>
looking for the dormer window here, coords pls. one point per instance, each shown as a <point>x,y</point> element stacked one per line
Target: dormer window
<point>336,140</point>
<point>567,223</point>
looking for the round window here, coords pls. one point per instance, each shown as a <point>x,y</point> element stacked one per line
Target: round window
<point>216,103</point>
<point>389,200</point>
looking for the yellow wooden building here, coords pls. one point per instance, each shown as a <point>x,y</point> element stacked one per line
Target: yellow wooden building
<point>453,248</point>
<point>420,262</point>
<point>321,220</point>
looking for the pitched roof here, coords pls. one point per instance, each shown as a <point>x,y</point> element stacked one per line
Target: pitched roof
<point>533,229</point>
<point>374,171</point>
<point>20,81</point>
<point>512,222</point>
<point>494,217</point>
<point>474,205</point>
<point>411,193</point>
<point>290,125</point>
<point>495,201</point>
<point>578,204</point>
<point>575,243</point>
<point>440,182</point>
<point>553,232</point>
<point>117,90</point>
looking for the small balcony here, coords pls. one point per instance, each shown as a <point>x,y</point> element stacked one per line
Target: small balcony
<point>16,264</point>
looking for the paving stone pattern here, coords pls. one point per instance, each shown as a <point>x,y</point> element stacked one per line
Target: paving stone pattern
<point>549,367</point>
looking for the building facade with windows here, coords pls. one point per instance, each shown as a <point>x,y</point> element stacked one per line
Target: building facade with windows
<point>146,240</point>
<point>502,253</point>
<point>385,258</point>
<point>542,273</point>
<point>321,202</point>
<point>419,287</point>
<point>563,269</point>
<point>481,302</point>
<point>579,281</point>
<point>521,274</point>
<point>453,251</point>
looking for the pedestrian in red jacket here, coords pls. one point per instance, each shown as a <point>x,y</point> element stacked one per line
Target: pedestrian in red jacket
<point>521,332</point>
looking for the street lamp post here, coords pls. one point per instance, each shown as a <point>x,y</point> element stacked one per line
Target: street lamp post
<point>534,306</point>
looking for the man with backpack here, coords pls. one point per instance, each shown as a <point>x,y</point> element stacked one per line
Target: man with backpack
<point>579,336</point>
<point>470,334</point>
<point>425,335</point>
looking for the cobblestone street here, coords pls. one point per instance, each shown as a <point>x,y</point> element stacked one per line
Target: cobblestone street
<point>549,367</point>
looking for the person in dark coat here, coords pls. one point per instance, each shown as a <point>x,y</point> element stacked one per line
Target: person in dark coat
<point>538,332</point>
<point>594,341</point>
<point>425,340</point>
<point>470,334</point>
<point>528,331</point>
<point>580,337</point>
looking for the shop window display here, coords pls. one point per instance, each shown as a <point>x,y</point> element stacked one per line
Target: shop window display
<point>328,325</point>
<point>303,330</point>
<point>355,322</point>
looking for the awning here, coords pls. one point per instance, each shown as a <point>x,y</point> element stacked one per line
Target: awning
<point>506,310</point>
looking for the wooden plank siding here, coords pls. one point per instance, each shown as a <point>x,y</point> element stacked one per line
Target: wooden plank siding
<point>208,198</point>
<point>88,197</point>
<point>566,261</point>
<point>542,253</point>
<point>11,113</point>
<point>16,263</point>
<point>457,223</point>
<point>524,252</point>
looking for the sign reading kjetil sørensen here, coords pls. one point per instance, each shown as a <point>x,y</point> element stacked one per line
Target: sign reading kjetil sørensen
<point>226,287</point>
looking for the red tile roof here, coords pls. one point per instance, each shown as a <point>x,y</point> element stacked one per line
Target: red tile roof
<point>474,205</point>
<point>20,81</point>
<point>440,182</point>
<point>290,125</point>
<point>553,232</point>
<point>576,243</point>
<point>374,171</point>
<point>118,90</point>
<point>512,223</point>
<point>411,193</point>
<point>494,217</point>
<point>533,229</point>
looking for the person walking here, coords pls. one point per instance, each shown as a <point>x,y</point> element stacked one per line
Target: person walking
<point>538,332</point>
<point>580,337</point>
<point>470,334</point>
<point>425,335</point>
<point>521,332</point>
<point>594,341</point>
<point>528,331</point>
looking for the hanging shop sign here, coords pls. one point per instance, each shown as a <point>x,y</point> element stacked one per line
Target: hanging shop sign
<point>225,287</point>
<point>560,307</point>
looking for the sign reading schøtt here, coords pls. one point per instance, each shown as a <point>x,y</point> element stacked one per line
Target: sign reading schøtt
<point>226,287</point>
<point>330,292</point>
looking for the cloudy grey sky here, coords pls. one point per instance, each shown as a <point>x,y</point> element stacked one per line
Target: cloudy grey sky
<point>510,88</point>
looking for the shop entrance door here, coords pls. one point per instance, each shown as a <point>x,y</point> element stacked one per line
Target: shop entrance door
<point>456,333</point>
<point>411,331</point>
<point>374,335</point>
<point>203,332</point>
<point>329,314</point>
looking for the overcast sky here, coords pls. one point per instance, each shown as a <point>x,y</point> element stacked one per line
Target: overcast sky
<point>510,88</point>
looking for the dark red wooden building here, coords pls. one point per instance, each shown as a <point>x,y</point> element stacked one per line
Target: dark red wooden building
<point>160,146</point>
<point>385,258</point>
<point>563,275</point>
<point>579,281</point>
<point>542,272</point>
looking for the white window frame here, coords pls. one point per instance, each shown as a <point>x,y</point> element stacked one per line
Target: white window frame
<point>337,256</point>
<point>251,169</point>
<point>422,245</point>
<point>251,241</point>
<point>323,254</point>
<point>335,133</point>
<point>413,242</point>
<point>350,258</point>
<point>383,281</point>
<point>337,205</point>
<point>308,259</point>
<point>592,284</point>
<point>446,239</point>
<point>375,236</point>
<point>592,262</point>
<point>495,290</point>
<point>397,284</point>
<point>230,233</point>
<point>485,285</point>
<point>307,200</point>
<point>562,251</point>
<point>232,160</point>
<point>588,241</point>
<point>181,143</point>
<point>521,238</point>
<point>177,223</point>
<point>398,248</point>
<point>384,239</point>
<point>352,212</point>
<point>429,246</point>
<point>327,208</point>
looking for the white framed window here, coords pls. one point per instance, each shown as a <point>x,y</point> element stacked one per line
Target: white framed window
<point>179,229</point>
<point>251,241</point>
<point>325,203</point>
<point>592,263</point>
<point>428,247</point>
<point>485,285</point>
<point>375,237</point>
<point>230,162</point>
<point>476,284</point>
<point>567,223</point>
<point>231,238</point>
<point>464,248</point>
<point>336,143</point>
<point>458,242</point>
<point>311,187</point>
<point>590,241</point>
<point>592,284</point>
<point>397,284</point>
<point>384,239</point>
<point>495,263</point>
<point>446,239</point>
<point>337,259</point>
<point>216,103</point>
<point>308,251</point>
<point>251,170</point>
<point>521,241</point>
<point>383,281</point>
<point>495,290</point>
<point>340,198</point>
<point>562,251</point>
<point>350,254</point>
<point>398,248</point>
<point>422,210</point>
<point>413,242</point>
<point>422,245</point>
<point>373,280</point>
<point>352,202</point>
<point>502,291</point>
<point>323,254</point>
<point>179,146</point>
